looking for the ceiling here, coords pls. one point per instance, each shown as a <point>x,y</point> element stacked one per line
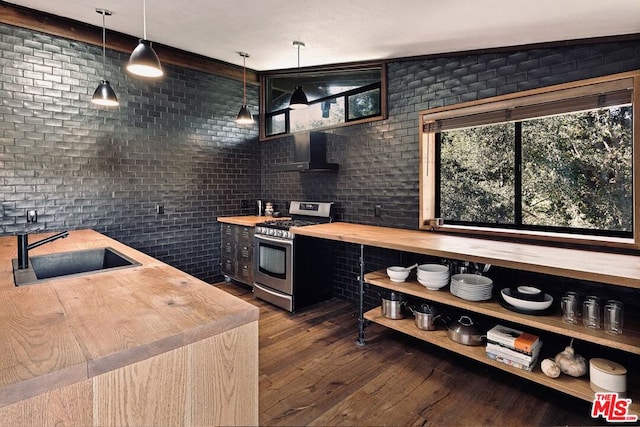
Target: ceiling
<point>337,31</point>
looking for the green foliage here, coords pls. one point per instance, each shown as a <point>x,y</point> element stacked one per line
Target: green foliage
<point>576,172</point>
<point>476,174</point>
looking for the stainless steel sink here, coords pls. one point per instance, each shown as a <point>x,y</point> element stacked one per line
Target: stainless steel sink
<point>65,264</point>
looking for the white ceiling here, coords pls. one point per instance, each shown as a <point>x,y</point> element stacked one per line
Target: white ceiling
<point>336,31</point>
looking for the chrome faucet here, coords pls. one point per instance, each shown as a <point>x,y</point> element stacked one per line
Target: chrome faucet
<point>24,247</point>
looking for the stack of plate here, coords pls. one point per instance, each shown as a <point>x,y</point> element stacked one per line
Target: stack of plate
<point>433,276</point>
<point>472,287</point>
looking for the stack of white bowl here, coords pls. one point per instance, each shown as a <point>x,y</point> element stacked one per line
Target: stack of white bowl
<point>433,276</point>
<point>472,287</point>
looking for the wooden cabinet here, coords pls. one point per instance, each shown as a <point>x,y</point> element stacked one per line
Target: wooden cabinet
<point>237,252</point>
<point>209,382</point>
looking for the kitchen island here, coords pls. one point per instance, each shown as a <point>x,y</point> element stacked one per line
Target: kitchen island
<point>144,345</point>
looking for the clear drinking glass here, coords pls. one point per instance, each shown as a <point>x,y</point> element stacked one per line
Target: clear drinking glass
<point>570,311</point>
<point>613,317</point>
<point>591,312</point>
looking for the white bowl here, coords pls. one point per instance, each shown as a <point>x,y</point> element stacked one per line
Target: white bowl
<point>526,304</point>
<point>433,284</point>
<point>398,274</point>
<point>530,290</point>
<point>433,269</point>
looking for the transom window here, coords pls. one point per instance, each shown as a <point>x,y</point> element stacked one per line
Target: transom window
<point>336,97</point>
<point>550,164</point>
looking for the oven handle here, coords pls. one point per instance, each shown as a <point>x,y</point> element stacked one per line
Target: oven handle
<point>276,241</point>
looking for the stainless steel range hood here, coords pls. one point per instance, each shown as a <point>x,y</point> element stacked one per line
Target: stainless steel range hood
<point>310,154</point>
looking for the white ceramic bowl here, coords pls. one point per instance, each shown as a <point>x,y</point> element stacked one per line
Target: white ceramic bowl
<point>433,284</point>
<point>526,304</point>
<point>433,269</point>
<point>529,290</point>
<point>398,274</point>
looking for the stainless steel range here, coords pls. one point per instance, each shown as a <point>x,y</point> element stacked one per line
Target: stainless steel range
<point>293,271</point>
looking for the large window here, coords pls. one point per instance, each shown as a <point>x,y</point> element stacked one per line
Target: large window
<point>336,97</point>
<point>552,164</point>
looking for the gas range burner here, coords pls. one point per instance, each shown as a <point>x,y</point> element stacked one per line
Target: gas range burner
<point>285,224</point>
<point>280,228</point>
<point>302,214</point>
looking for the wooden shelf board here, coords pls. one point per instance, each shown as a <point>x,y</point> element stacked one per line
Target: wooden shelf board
<point>603,267</point>
<point>577,387</point>
<point>629,341</point>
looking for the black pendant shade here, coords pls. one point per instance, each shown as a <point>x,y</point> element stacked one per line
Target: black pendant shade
<point>144,61</point>
<point>244,116</point>
<point>298,97</point>
<point>105,95</point>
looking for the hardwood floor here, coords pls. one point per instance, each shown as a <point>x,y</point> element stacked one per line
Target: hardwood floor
<point>312,373</point>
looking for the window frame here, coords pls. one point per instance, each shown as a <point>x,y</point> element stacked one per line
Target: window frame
<point>432,121</point>
<point>382,86</point>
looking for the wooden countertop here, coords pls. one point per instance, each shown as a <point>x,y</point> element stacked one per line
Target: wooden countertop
<point>66,330</point>
<point>616,269</point>
<point>248,220</point>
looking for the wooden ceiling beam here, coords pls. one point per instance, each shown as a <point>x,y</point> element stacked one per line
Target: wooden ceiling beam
<point>79,31</point>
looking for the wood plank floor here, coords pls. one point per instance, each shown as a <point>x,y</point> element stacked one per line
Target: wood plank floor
<point>312,373</point>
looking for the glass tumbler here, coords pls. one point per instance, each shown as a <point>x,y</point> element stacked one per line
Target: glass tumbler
<point>591,312</point>
<point>613,317</point>
<point>569,303</point>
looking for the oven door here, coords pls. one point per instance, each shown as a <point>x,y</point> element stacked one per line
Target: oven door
<point>273,263</point>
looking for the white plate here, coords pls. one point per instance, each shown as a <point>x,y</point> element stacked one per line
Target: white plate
<point>472,279</point>
<point>473,297</point>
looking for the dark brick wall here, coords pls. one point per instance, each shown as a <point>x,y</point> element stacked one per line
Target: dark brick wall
<point>379,161</point>
<point>171,142</point>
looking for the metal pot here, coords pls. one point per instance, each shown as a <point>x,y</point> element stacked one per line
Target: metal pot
<point>392,306</point>
<point>464,331</point>
<point>424,317</point>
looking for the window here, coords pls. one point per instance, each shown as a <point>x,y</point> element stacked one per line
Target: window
<point>549,164</point>
<point>336,97</point>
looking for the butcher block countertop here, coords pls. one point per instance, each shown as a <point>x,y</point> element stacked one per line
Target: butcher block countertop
<point>248,220</point>
<point>616,269</point>
<point>66,330</point>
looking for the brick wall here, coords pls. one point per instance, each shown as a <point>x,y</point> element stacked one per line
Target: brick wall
<point>379,161</point>
<point>172,142</point>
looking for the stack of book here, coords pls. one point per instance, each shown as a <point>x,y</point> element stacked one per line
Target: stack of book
<point>513,347</point>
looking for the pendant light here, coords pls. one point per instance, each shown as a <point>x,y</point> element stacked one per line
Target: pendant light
<point>244,116</point>
<point>298,98</point>
<point>104,94</point>
<point>143,60</point>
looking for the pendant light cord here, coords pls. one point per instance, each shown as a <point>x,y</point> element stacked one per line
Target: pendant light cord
<point>298,64</point>
<point>144,19</point>
<point>244,79</point>
<point>104,42</point>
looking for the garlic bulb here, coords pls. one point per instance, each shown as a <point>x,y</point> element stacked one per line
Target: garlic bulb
<point>571,363</point>
<point>550,368</point>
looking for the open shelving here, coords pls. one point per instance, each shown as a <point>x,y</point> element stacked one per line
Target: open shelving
<point>578,387</point>
<point>607,268</point>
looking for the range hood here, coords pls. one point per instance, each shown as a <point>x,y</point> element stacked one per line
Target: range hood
<point>310,154</point>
